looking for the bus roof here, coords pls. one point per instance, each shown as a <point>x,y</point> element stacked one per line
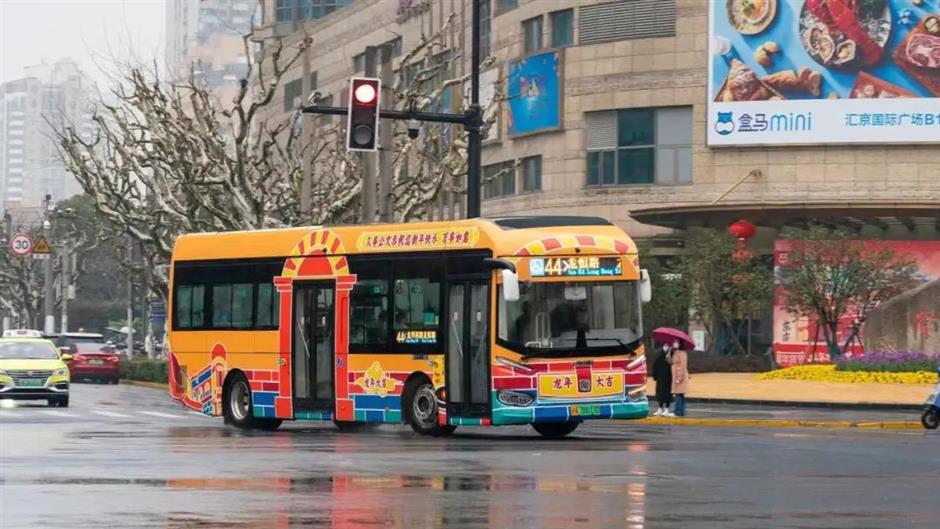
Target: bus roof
<point>505,236</point>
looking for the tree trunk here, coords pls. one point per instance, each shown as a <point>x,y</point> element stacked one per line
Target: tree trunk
<point>832,339</point>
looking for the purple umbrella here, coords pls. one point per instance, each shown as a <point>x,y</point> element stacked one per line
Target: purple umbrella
<point>668,334</point>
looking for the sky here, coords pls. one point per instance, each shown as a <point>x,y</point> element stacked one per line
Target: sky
<point>88,31</point>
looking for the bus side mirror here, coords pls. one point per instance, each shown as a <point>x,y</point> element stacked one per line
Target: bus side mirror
<point>646,287</point>
<point>510,285</point>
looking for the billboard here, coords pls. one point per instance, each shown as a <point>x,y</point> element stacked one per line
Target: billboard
<point>800,340</point>
<point>786,72</point>
<point>534,93</point>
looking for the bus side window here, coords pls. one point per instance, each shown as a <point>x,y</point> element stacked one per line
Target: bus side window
<point>417,296</point>
<point>369,314</point>
<point>184,306</point>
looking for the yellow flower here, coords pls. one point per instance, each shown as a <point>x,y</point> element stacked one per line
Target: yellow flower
<point>828,373</point>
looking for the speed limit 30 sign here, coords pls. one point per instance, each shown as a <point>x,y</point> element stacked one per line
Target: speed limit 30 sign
<point>21,245</point>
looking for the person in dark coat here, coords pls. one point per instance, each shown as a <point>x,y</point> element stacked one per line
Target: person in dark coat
<point>662,374</point>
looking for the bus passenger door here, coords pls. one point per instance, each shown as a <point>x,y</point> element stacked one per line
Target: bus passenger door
<point>468,352</point>
<point>313,347</point>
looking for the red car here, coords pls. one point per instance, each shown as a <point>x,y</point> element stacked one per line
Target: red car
<point>96,361</point>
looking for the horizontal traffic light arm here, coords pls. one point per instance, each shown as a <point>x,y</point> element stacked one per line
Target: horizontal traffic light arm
<point>467,119</point>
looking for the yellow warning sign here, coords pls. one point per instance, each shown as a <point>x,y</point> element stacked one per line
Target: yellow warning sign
<point>42,246</point>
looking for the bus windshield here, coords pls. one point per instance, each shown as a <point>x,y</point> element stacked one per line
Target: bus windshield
<point>599,317</point>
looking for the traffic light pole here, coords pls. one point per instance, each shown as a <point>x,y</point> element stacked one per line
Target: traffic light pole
<point>472,119</point>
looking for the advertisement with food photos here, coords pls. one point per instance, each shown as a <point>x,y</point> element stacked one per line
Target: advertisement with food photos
<point>791,72</point>
<point>800,340</point>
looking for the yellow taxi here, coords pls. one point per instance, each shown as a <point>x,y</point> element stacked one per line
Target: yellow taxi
<point>33,369</point>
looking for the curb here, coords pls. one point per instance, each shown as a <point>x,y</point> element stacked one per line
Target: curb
<point>808,404</point>
<point>139,383</point>
<point>783,423</point>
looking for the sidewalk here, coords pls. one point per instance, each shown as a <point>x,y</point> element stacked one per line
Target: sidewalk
<point>743,388</point>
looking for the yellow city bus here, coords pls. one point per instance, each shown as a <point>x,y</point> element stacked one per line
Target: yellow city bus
<point>517,320</point>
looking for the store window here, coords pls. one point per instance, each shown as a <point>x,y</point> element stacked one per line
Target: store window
<point>639,146</point>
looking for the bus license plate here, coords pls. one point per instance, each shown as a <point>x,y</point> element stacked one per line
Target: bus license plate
<point>30,382</point>
<point>585,410</point>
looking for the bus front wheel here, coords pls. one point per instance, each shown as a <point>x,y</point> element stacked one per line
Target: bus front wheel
<point>555,430</point>
<point>422,406</point>
<point>237,407</point>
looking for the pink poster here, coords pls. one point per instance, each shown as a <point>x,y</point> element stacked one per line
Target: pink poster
<point>800,340</point>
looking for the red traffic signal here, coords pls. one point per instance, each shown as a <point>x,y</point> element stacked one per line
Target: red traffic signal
<point>362,126</point>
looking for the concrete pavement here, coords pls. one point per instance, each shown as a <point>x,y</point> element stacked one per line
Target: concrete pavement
<point>744,387</point>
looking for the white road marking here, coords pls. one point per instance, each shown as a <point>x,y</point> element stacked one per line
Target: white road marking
<point>4,414</point>
<point>161,414</point>
<point>111,414</point>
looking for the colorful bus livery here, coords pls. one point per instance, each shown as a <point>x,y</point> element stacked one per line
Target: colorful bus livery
<point>479,322</point>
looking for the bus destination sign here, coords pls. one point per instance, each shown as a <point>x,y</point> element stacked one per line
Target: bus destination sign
<point>575,266</point>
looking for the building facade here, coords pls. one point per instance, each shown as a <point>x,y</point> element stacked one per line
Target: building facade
<point>30,167</point>
<point>204,38</point>
<point>629,139</point>
<point>611,110</point>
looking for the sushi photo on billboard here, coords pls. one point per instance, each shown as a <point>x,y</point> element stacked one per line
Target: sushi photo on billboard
<point>790,72</point>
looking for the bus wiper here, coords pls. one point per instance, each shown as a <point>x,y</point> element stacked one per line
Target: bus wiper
<point>629,347</point>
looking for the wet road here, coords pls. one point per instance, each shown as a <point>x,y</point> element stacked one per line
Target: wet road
<point>125,457</point>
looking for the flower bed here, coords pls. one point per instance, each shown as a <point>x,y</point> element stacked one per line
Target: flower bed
<point>880,361</point>
<point>828,373</point>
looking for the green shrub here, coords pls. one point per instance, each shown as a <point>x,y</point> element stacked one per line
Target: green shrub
<point>144,370</point>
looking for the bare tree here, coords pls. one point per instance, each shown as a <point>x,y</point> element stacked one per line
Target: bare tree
<point>170,158</point>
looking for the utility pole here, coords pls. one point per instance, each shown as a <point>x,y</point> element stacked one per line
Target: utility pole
<point>368,158</point>
<point>385,138</point>
<point>306,184</point>
<point>49,323</point>
<point>474,117</point>
<point>64,284</point>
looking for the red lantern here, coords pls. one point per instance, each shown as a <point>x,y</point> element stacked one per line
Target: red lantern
<point>741,255</point>
<point>742,230</point>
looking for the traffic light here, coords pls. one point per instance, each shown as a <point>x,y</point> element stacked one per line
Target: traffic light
<point>362,124</point>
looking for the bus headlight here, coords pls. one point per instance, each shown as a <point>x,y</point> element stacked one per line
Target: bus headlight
<point>514,398</point>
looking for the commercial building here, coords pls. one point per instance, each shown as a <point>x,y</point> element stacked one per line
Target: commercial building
<point>30,167</point>
<point>205,38</point>
<point>671,115</point>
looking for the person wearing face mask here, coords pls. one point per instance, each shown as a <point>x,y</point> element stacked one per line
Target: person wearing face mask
<point>680,376</point>
<point>662,374</point>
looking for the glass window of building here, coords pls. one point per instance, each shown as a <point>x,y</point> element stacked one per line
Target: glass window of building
<point>562,28</point>
<point>499,180</point>
<point>486,25</point>
<point>532,173</point>
<point>640,146</point>
<point>532,34</point>
<point>506,5</point>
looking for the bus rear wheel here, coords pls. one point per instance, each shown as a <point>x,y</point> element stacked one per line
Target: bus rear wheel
<point>237,407</point>
<point>422,406</point>
<point>555,430</point>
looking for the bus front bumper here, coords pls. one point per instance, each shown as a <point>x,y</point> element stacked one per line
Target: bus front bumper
<point>564,411</point>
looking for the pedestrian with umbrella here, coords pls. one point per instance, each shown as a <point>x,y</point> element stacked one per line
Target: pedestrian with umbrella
<point>662,374</point>
<point>678,357</point>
